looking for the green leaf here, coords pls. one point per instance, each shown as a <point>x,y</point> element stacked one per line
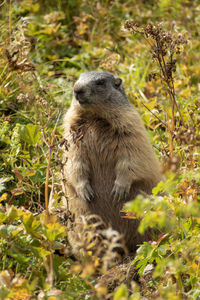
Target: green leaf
<point>30,222</point>
<point>40,252</point>
<point>3,217</point>
<point>121,293</point>
<point>153,219</point>
<point>30,134</point>
<point>54,231</point>
<point>13,213</point>
<point>21,259</point>
<point>167,186</point>
<point>7,230</point>
<point>4,292</point>
<point>141,265</point>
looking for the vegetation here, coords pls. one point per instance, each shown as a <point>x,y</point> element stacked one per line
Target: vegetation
<point>44,46</point>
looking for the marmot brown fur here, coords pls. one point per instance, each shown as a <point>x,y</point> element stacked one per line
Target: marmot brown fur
<point>110,159</point>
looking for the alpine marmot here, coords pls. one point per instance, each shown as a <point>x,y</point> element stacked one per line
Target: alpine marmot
<point>109,156</point>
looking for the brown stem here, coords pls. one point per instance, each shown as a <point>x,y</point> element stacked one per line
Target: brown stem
<point>162,65</point>
<point>51,273</point>
<point>170,92</point>
<point>154,114</point>
<point>178,109</point>
<point>10,19</point>
<point>48,264</point>
<point>46,184</point>
<point>50,146</point>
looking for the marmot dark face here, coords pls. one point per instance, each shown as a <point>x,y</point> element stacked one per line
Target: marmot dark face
<point>94,88</point>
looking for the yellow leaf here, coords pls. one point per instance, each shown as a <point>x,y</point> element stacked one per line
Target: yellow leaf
<point>57,27</point>
<point>194,266</point>
<point>35,7</point>
<point>3,197</point>
<point>51,73</point>
<point>48,30</point>
<point>96,262</point>
<point>76,269</point>
<point>101,290</point>
<point>89,253</point>
<point>82,28</point>
<point>88,271</point>
<point>29,173</point>
<point>20,294</point>
<point>185,93</point>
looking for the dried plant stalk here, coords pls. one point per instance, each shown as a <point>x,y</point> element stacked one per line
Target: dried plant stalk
<point>163,46</point>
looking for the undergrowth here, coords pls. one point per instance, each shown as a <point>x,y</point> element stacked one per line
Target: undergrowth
<point>44,46</point>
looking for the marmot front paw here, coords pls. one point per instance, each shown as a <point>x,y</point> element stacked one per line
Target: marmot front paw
<point>85,192</point>
<point>120,191</point>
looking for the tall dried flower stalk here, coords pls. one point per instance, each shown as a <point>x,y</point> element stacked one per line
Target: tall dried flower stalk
<point>163,46</point>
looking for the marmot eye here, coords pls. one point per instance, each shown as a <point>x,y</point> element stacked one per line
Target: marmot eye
<point>100,82</point>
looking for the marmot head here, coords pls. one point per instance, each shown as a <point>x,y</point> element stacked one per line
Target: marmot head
<point>95,89</point>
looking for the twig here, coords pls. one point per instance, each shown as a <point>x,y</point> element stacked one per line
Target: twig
<point>150,110</point>
<point>50,146</point>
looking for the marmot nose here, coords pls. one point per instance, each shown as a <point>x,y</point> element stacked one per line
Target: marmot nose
<point>79,92</point>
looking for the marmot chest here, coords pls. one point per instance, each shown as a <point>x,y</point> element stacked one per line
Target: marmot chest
<point>100,145</point>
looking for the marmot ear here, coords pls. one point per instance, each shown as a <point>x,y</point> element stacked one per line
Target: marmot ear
<point>118,81</point>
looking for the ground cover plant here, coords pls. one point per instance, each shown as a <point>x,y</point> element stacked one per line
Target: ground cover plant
<point>154,47</point>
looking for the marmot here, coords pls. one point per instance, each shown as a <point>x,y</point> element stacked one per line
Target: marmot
<point>109,156</point>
